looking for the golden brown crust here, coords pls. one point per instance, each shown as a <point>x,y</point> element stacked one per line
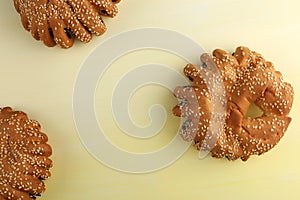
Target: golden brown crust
<point>61,21</point>
<point>247,78</point>
<point>24,156</point>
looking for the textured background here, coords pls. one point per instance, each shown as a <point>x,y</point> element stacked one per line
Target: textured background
<point>40,81</point>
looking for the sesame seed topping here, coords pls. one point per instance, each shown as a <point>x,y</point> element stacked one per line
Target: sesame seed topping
<point>23,156</point>
<point>61,21</point>
<point>247,79</point>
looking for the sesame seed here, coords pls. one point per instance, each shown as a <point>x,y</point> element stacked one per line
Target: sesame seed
<point>23,155</point>
<point>247,79</point>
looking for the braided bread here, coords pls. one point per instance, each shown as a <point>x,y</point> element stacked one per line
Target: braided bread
<point>247,79</point>
<point>24,156</point>
<point>61,21</point>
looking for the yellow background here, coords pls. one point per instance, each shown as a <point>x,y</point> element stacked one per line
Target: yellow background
<point>40,81</point>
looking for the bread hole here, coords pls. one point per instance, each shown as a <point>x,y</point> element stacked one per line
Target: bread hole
<point>190,78</point>
<point>204,65</point>
<point>68,32</point>
<point>186,125</point>
<point>33,196</point>
<point>104,12</point>
<point>51,33</point>
<point>254,111</point>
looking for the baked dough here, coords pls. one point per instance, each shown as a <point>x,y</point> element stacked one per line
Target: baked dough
<point>247,79</point>
<point>24,156</point>
<point>61,21</point>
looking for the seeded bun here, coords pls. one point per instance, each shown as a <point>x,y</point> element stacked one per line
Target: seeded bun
<point>247,78</point>
<point>24,156</point>
<point>60,21</point>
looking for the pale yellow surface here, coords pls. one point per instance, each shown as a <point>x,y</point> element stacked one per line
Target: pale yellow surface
<point>40,81</point>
